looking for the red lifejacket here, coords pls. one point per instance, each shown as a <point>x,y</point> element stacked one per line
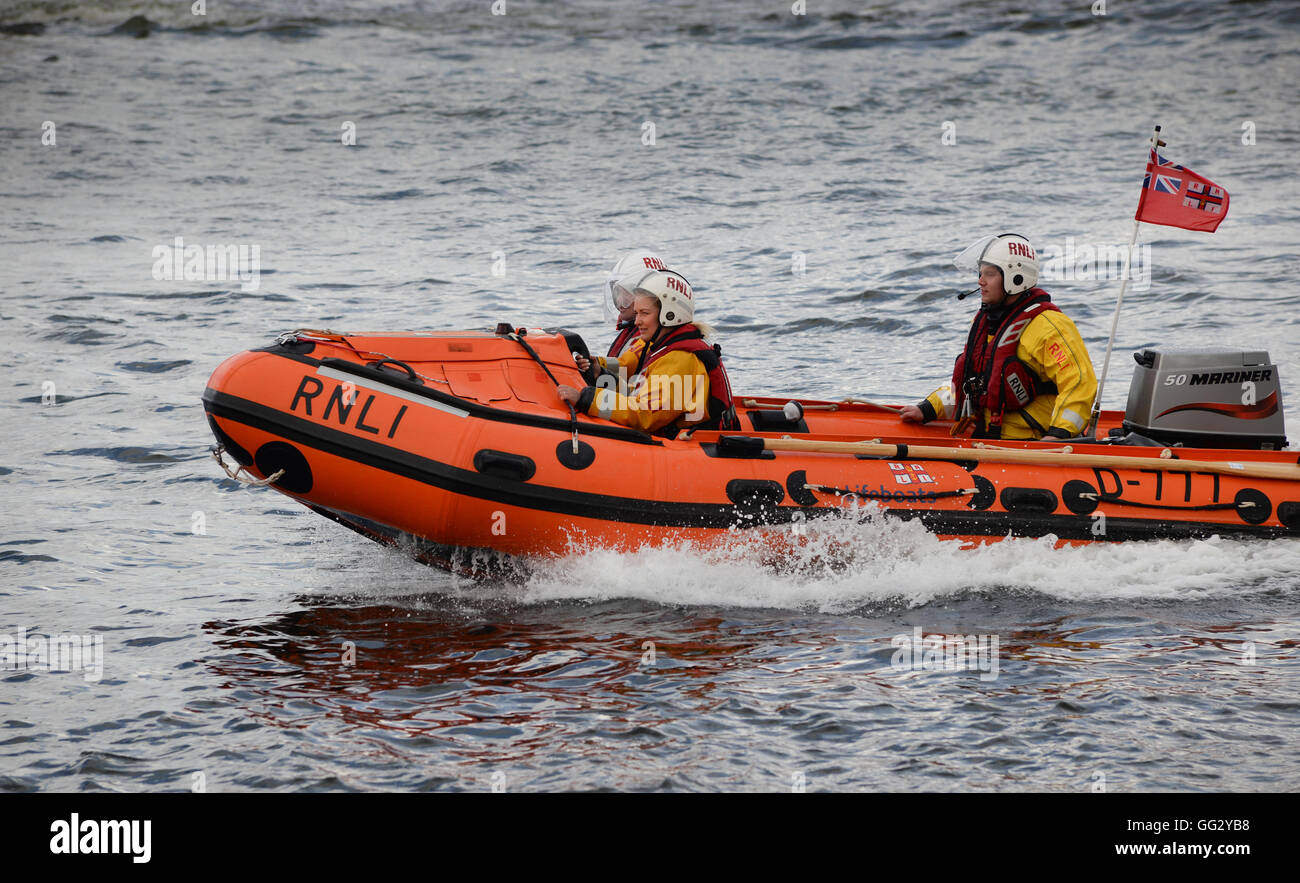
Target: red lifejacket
<point>687,338</point>
<point>988,372</point>
<point>626,331</point>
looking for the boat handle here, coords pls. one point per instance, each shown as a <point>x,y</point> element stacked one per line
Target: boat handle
<point>410,372</point>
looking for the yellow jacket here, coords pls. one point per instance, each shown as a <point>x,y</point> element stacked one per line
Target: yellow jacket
<point>1051,347</point>
<point>673,390</point>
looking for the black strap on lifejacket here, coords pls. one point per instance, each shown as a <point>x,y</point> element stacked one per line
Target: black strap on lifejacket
<point>980,342</point>
<point>976,382</point>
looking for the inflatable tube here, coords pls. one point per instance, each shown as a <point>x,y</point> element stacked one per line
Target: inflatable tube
<point>456,446</point>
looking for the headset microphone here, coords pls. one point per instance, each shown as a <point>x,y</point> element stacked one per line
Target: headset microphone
<point>966,294</point>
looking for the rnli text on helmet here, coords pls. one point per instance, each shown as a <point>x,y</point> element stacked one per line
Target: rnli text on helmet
<point>1022,249</point>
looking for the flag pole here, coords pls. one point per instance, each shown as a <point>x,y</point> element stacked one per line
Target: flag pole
<point>1114,322</point>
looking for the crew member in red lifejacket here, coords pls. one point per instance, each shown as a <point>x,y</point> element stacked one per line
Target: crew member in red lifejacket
<point>618,301</point>
<point>1025,372</point>
<point>676,380</point>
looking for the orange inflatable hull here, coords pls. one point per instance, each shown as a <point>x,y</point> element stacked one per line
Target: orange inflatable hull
<point>456,446</point>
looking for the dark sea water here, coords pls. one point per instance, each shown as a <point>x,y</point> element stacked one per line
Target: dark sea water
<point>248,644</point>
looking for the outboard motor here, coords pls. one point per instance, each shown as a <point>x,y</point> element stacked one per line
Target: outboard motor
<point>1207,398</point>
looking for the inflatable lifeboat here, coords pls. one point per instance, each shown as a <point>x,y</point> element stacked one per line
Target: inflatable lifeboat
<point>455,446</point>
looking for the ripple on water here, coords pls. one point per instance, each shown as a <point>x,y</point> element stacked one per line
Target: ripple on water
<point>290,655</point>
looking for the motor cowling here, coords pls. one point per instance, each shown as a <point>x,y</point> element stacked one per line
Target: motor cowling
<point>1207,398</point>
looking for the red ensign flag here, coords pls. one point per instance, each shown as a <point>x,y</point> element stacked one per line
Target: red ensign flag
<point>1176,197</point>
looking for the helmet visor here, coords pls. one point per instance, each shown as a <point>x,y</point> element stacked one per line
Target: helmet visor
<point>969,259</point>
<point>607,303</point>
<point>625,290</point>
<point>622,291</point>
<point>619,294</point>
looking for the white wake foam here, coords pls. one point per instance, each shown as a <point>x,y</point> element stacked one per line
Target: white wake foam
<point>841,564</point>
<point>846,564</point>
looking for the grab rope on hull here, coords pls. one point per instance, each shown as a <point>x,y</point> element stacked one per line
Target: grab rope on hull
<point>237,474</point>
<point>338,340</point>
<point>1207,507</point>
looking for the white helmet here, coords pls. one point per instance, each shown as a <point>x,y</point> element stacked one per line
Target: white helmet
<point>676,299</point>
<point>1009,252</point>
<point>634,261</point>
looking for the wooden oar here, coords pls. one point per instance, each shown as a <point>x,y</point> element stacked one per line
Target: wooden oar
<point>852,401</point>
<point>828,406</point>
<point>809,405</point>
<point>1243,469</point>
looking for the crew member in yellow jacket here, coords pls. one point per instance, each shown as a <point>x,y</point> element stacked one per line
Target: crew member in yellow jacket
<point>1025,372</point>
<point>669,379</point>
